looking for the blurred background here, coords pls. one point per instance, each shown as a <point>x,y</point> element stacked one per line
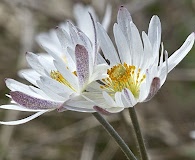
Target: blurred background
<point>166,121</point>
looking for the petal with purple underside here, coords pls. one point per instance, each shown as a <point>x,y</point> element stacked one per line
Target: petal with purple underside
<point>32,102</point>
<point>154,87</point>
<point>82,64</point>
<point>101,110</point>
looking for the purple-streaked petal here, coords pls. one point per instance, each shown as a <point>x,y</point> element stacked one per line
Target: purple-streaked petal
<point>154,87</point>
<point>82,64</point>
<point>101,110</point>
<point>32,102</point>
<point>22,121</point>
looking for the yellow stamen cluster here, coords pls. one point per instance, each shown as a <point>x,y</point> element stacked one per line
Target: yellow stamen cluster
<point>124,76</point>
<point>58,77</point>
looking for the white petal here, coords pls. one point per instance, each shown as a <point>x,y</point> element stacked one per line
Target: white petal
<point>121,42</point>
<point>154,34</point>
<point>136,45</point>
<point>22,121</point>
<point>83,19</point>
<point>107,46</point>
<point>56,87</point>
<point>33,61</point>
<point>118,99</point>
<point>30,75</point>
<point>14,85</point>
<point>109,99</point>
<point>129,96</point>
<point>48,92</point>
<point>114,109</point>
<point>18,108</point>
<point>123,20</point>
<point>178,55</point>
<point>67,74</point>
<point>99,72</point>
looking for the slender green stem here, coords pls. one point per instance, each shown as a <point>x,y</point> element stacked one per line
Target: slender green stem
<point>115,135</point>
<point>138,133</point>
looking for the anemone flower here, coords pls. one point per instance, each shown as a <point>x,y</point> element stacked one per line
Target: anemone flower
<point>58,82</point>
<point>139,66</point>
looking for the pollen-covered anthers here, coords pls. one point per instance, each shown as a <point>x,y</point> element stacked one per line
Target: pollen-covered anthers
<point>123,76</point>
<point>58,77</point>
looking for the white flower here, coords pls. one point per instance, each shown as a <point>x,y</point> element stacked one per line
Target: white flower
<point>136,70</point>
<point>59,82</point>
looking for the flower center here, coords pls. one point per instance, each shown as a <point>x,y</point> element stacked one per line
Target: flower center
<point>124,76</point>
<point>58,77</point>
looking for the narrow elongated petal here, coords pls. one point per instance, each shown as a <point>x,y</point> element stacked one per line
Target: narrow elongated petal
<point>107,46</point>
<point>22,121</point>
<point>18,108</point>
<point>82,63</point>
<point>154,34</point>
<point>178,55</point>
<point>32,102</point>
<point>78,109</point>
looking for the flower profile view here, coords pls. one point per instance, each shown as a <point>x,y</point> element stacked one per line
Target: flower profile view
<point>61,79</point>
<point>136,69</point>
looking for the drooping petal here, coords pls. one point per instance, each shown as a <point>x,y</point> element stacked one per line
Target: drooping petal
<point>32,102</point>
<point>22,121</point>
<point>82,64</point>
